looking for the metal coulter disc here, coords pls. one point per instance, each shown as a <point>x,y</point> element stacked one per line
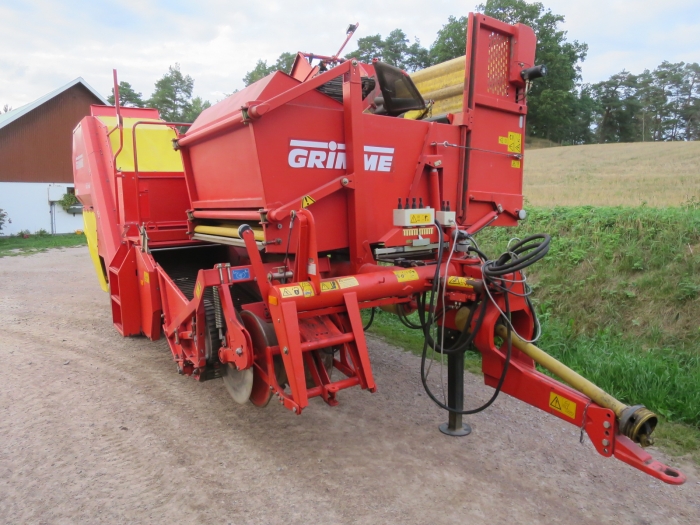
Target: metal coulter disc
<point>239,383</point>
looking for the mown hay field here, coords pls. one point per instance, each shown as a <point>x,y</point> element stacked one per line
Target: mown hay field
<point>659,174</point>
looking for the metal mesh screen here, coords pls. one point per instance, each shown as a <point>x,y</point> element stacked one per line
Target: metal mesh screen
<point>499,52</point>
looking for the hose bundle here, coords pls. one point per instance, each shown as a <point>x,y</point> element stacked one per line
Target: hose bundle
<point>521,255</point>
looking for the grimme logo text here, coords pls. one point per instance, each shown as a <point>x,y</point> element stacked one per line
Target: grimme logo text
<point>331,156</point>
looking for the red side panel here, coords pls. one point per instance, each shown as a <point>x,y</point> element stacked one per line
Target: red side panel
<point>495,98</point>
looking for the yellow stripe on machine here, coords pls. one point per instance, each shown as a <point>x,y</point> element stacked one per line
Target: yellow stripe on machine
<point>227,231</point>
<point>90,222</point>
<point>154,146</point>
<point>443,83</point>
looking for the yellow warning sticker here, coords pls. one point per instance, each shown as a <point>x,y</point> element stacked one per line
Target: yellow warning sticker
<point>329,286</point>
<point>514,163</point>
<point>198,290</point>
<point>348,282</point>
<point>146,277</point>
<point>298,290</point>
<point>460,282</point>
<point>563,405</point>
<point>406,275</point>
<point>307,201</point>
<point>513,141</point>
<point>420,218</point>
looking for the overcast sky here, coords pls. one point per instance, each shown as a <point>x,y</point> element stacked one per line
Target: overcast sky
<point>47,43</point>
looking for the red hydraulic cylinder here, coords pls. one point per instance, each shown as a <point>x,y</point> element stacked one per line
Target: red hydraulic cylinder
<point>390,282</point>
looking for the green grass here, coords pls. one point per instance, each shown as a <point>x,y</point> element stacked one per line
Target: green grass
<point>619,300</point>
<point>18,245</point>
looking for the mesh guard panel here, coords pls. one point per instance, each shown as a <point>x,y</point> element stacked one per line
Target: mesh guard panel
<point>499,52</point>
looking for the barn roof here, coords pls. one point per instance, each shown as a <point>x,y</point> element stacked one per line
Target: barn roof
<point>13,115</point>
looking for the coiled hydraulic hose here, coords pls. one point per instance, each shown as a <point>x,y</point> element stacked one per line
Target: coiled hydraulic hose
<point>523,254</point>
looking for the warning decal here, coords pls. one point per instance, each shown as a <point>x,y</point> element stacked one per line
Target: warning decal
<point>198,290</point>
<point>514,163</point>
<point>291,291</point>
<point>513,141</point>
<point>420,218</point>
<point>329,286</point>
<point>348,282</point>
<point>460,282</point>
<point>406,275</point>
<point>563,405</point>
<point>299,290</point>
<point>307,201</point>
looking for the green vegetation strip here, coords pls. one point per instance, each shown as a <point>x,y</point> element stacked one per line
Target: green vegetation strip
<point>618,298</point>
<point>39,242</point>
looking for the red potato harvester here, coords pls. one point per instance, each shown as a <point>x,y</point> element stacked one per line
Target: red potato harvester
<point>253,240</point>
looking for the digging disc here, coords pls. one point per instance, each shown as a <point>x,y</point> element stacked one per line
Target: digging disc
<point>262,334</point>
<point>239,383</point>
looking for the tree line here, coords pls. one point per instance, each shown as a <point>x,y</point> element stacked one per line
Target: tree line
<point>656,105</point>
<point>663,104</point>
<point>172,96</point>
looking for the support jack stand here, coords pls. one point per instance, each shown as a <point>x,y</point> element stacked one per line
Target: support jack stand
<point>455,396</point>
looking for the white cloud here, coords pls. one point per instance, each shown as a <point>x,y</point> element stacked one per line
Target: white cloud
<point>46,43</point>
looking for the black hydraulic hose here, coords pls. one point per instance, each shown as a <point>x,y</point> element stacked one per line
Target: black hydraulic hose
<point>501,380</point>
<point>523,254</point>
<point>371,320</point>
<point>405,320</point>
<point>465,338</point>
<point>512,261</point>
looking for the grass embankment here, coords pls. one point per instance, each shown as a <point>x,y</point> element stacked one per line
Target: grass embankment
<point>618,298</point>
<point>18,245</point>
<point>658,174</point>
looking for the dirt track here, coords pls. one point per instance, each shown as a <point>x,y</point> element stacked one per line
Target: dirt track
<point>99,429</point>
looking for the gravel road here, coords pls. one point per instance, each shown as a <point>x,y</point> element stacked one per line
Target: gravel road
<point>95,428</point>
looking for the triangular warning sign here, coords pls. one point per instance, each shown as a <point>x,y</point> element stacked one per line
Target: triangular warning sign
<point>307,201</point>
<point>555,403</point>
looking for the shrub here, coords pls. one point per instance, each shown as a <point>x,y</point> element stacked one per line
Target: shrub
<point>3,218</point>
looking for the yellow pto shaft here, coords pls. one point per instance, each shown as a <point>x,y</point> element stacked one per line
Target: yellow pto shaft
<point>636,422</point>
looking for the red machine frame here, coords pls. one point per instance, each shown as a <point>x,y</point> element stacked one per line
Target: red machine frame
<point>314,303</point>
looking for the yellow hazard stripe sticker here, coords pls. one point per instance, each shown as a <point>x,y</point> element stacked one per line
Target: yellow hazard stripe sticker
<point>563,405</point>
<point>406,275</point>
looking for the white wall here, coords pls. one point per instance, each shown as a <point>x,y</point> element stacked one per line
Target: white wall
<point>28,207</point>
